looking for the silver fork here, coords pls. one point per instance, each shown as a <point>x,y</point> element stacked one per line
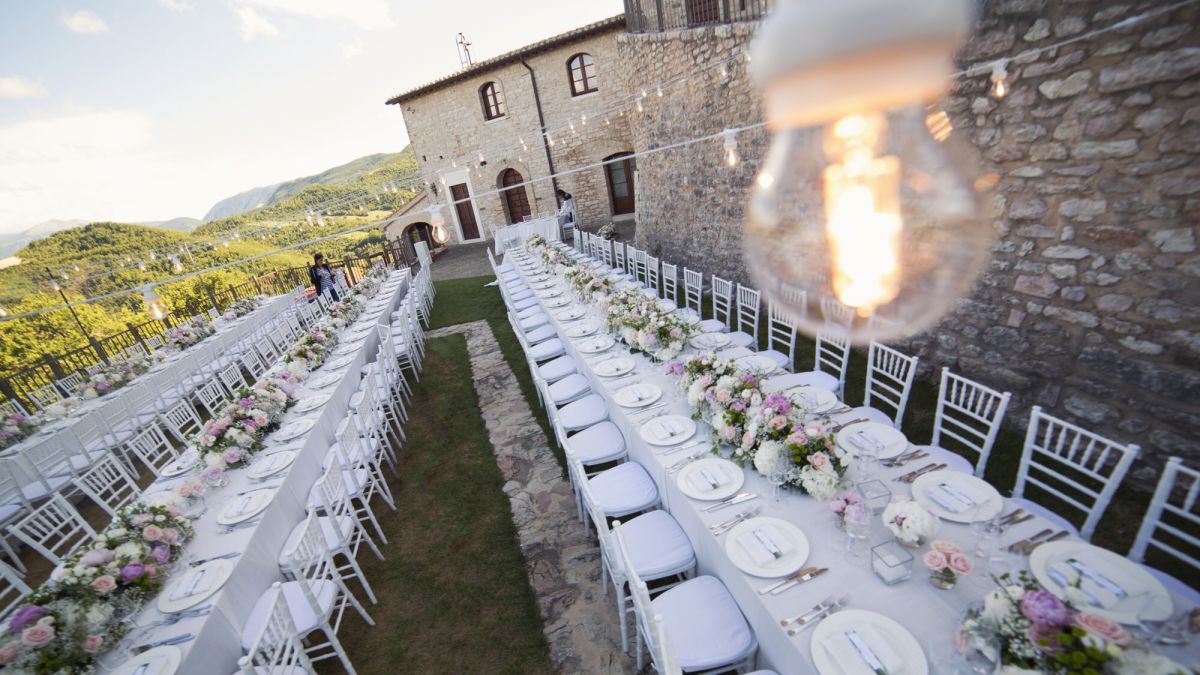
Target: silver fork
<point>731,523</point>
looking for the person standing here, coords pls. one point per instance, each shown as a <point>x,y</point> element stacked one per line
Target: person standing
<point>321,277</point>
<point>566,214</point>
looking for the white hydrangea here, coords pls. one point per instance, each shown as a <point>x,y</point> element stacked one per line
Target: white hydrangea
<point>769,459</point>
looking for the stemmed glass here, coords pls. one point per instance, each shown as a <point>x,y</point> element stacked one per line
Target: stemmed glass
<point>867,458</point>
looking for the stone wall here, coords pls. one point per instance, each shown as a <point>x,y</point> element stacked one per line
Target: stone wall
<point>1091,302</point>
<point>447,128</point>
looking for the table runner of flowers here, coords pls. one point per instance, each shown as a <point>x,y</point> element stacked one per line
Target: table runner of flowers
<point>190,332</point>
<point>241,308</point>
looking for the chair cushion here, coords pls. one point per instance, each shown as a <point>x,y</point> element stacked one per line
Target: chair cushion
<point>624,489</point>
<point>546,350</point>
<point>525,294</point>
<point>598,443</point>
<point>568,388</point>
<point>865,412</point>
<point>541,334</point>
<point>526,303</point>
<point>780,359</point>
<point>535,320</point>
<point>711,326</point>
<point>585,412</point>
<point>704,624</point>
<point>952,460</point>
<point>303,617</point>
<point>741,339</point>
<point>332,538</point>
<point>657,545</point>
<point>532,310</point>
<point>553,371</point>
<point>817,378</point>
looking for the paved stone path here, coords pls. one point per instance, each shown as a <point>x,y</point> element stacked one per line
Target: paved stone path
<point>563,563</point>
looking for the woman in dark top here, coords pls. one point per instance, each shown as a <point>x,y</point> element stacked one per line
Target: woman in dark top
<point>321,277</point>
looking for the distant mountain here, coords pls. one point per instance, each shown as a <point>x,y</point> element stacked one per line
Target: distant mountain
<point>11,243</point>
<point>344,174</point>
<point>182,224</point>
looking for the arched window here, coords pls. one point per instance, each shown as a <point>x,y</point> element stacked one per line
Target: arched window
<point>493,101</point>
<point>516,201</point>
<point>583,74</point>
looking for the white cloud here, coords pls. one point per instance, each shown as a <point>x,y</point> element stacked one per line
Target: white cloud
<point>17,87</point>
<point>365,14</point>
<point>83,21</point>
<point>176,5</point>
<point>252,24</point>
<point>352,49</point>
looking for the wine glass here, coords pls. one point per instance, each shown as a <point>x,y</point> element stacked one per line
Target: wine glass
<point>777,478</point>
<point>986,530</point>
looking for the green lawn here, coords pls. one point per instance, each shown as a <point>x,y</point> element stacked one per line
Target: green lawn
<point>453,593</point>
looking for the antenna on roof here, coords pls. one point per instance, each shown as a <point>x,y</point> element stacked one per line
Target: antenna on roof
<point>464,51</point>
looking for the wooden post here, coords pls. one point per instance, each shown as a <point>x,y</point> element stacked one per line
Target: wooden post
<point>137,335</point>
<point>98,349</point>
<point>10,394</point>
<point>233,292</point>
<point>211,297</point>
<point>349,272</point>
<point>55,368</point>
<point>257,287</point>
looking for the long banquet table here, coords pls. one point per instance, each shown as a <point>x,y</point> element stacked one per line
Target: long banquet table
<point>216,646</point>
<point>931,615</point>
<point>517,233</point>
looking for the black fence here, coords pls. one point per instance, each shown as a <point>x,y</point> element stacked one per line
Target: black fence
<point>650,16</point>
<point>53,367</point>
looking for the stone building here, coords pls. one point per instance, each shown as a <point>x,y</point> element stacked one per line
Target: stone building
<point>480,131</point>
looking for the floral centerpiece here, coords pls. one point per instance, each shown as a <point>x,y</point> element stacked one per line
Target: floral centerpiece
<point>105,379</point>
<point>311,350</point>
<point>946,563</point>
<point>241,308</point>
<point>367,287</point>
<point>588,283</point>
<point>77,614</point>
<point>848,505</point>
<point>607,231</point>
<point>642,325</point>
<point>698,375</point>
<point>344,312</point>
<point>910,522</point>
<point>184,335</point>
<point>58,410</point>
<point>810,458</point>
<point>15,426</point>
<point>1024,629</point>
<point>236,432</point>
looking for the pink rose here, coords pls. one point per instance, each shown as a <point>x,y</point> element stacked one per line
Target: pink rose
<point>798,438</point>
<point>1104,628</point>
<point>151,571</point>
<point>233,455</point>
<point>104,584</point>
<point>170,535</point>
<point>778,422</point>
<point>945,547</point>
<point>729,433</point>
<point>152,533</point>
<point>174,512</point>
<point>747,440</point>
<point>723,396</point>
<point>140,518</point>
<point>814,430</point>
<point>820,461</point>
<point>960,564</point>
<point>91,643</point>
<point>934,561</point>
<point>8,653</point>
<point>38,635</point>
<point>96,557</point>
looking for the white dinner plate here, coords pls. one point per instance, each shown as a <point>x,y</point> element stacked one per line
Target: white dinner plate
<point>557,302</point>
<point>615,366</point>
<point>549,293</point>
<point>815,399</point>
<point>957,497</point>
<point>178,467</point>
<point>294,429</point>
<point>573,314</point>
<point>638,395</point>
<point>311,402</point>
<point>694,479</point>
<point>1140,586</point>
<point>195,586</point>
<point>348,348</point>
<point>668,430</point>
<point>271,464</point>
<point>893,441</point>
<point>361,330</point>
<point>710,341</point>
<point>898,638</point>
<point>162,660</point>
<point>339,362</point>
<point>788,540</point>
<point>324,380</point>
<point>758,363</point>
<point>597,344</point>
<point>543,285</point>
<point>580,330</point>
<point>245,507</point>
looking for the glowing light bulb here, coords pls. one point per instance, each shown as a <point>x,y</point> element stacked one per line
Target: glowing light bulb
<point>141,266</point>
<point>583,120</point>
<point>3,312</point>
<point>572,126</point>
<point>154,304</point>
<point>607,122</point>
<point>730,146</point>
<point>660,91</point>
<point>1000,79</point>
<point>639,105</point>
<point>724,71</point>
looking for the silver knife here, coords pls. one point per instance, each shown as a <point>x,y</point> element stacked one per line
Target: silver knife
<point>736,499</point>
<point>789,584</point>
<point>804,573</point>
<point>177,640</point>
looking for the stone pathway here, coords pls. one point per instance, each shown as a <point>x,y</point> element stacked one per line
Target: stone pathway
<point>563,563</point>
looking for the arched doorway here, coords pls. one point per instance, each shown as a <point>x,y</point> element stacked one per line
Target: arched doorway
<point>618,170</point>
<point>516,202</point>
<point>418,232</point>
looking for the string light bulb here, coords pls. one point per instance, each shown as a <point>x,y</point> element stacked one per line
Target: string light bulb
<point>730,146</point>
<point>154,304</point>
<point>1000,79</point>
<point>141,266</point>
<point>3,312</point>
<point>639,105</point>
<point>572,126</point>
<point>583,120</point>
<point>660,91</point>
<point>857,203</point>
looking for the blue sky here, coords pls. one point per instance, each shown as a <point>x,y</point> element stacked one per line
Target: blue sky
<point>136,110</point>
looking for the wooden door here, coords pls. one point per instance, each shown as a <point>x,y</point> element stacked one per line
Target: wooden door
<point>515,199</point>
<point>620,183</point>
<point>466,213</point>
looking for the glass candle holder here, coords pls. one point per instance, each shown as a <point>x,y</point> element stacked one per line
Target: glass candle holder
<point>876,494</point>
<point>891,562</point>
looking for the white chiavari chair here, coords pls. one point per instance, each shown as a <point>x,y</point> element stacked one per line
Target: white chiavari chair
<point>181,421</point>
<point>108,484</point>
<point>317,599</point>
<point>619,254</point>
<point>374,438</point>
<point>660,548</point>
<point>781,338</point>
<point>336,502</point>
<point>136,349</point>
<point>276,648</point>
<point>693,292</point>
<point>890,375</point>
<point>605,247</point>
<point>44,397</point>
<point>722,306</point>
<point>254,364</point>
<point>1171,527</point>
<point>12,407</point>
<point>650,263</point>
<point>70,384</point>
<point>15,502</point>
<point>360,479</point>
<point>154,342</point>
<point>232,378</point>
<point>640,266</point>
<point>54,529</point>
<point>13,590</point>
<point>966,422</point>
<point>670,284</point>
<point>623,490</point>
<point>151,446</point>
<point>837,314</point>
<point>704,627</point>
<point>1079,470</point>
<point>748,303</point>
<point>267,349</point>
<point>212,397</point>
<point>90,435</point>
<point>54,466</point>
<point>831,360</point>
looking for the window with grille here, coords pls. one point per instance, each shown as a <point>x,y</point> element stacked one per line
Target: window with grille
<point>493,101</point>
<point>583,74</point>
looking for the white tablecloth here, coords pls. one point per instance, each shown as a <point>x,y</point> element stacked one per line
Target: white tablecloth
<point>517,233</point>
<point>217,645</point>
<point>938,612</point>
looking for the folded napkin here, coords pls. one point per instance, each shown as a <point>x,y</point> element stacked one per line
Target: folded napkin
<point>200,581</point>
<point>708,479</point>
<point>1100,582</point>
<point>958,497</point>
<point>760,542</point>
<point>667,429</point>
<point>852,662</point>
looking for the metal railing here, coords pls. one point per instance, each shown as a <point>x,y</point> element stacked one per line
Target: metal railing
<point>650,16</point>
<point>53,367</point>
